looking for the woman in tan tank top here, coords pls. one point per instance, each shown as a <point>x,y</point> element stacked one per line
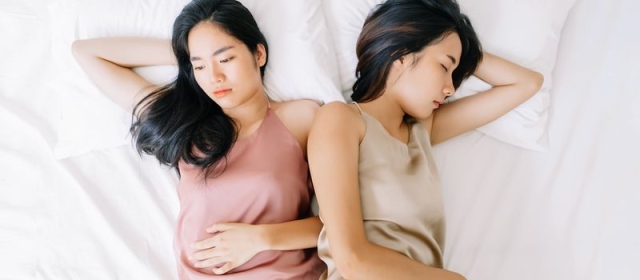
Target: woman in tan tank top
<point>376,182</point>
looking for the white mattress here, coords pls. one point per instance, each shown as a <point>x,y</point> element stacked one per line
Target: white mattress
<point>569,213</point>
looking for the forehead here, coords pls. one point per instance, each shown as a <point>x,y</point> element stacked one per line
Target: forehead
<point>449,45</point>
<point>206,36</point>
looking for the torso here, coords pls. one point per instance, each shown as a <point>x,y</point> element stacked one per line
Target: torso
<point>400,195</point>
<point>265,180</point>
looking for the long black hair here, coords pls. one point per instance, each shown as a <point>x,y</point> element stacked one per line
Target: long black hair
<point>399,27</point>
<point>179,120</point>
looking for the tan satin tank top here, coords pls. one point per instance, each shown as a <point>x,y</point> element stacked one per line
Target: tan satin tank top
<point>400,195</point>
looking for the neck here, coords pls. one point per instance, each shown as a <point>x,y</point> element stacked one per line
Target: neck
<point>250,112</point>
<point>386,111</point>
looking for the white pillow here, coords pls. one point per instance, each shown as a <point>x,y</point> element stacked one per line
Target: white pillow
<point>298,68</point>
<point>526,32</point>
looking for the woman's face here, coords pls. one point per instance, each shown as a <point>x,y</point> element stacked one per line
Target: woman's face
<point>223,66</point>
<point>423,80</point>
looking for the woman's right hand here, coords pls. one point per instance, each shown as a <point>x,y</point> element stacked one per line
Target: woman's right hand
<point>108,63</point>
<point>233,244</point>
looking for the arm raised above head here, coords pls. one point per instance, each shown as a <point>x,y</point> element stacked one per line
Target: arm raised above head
<point>108,63</point>
<point>512,85</point>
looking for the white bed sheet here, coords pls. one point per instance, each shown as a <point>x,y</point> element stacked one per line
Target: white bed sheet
<point>103,215</point>
<point>569,213</point>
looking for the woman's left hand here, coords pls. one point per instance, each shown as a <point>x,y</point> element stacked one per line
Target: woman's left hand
<point>232,245</point>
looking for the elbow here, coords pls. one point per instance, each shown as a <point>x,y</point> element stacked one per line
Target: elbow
<point>350,263</point>
<point>77,49</point>
<point>348,267</point>
<point>81,50</point>
<point>534,83</point>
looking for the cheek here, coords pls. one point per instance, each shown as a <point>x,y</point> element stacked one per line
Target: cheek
<point>248,76</point>
<point>202,81</point>
<point>248,71</point>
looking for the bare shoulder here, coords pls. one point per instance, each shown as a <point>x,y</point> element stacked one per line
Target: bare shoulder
<point>297,107</point>
<point>298,112</point>
<point>338,111</point>
<point>341,118</point>
<point>297,116</point>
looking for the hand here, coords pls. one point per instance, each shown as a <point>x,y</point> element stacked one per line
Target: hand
<point>233,244</point>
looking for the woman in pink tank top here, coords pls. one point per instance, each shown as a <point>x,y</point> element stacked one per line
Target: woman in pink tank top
<point>244,183</point>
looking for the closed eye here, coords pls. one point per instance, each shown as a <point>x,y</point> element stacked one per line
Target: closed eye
<point>198,67</point>
<point>226,60</point>
<point>444,67</point>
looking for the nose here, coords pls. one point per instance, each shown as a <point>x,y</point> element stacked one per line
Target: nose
<point>217,76</point>
<point>448,88</point>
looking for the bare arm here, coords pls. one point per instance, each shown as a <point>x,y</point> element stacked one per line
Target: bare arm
<point>298,234</point>
<point>512,85</point>
<point>234,244</point>
<point>293,235</point>
<point>333,159</point>
<point>108,63</point>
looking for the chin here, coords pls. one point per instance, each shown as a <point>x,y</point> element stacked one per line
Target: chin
<point>422,114</point>
<point>226,104</point>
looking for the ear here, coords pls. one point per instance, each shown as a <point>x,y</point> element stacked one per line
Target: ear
<point>400,63</point>
<point>397,68</point>
<point>261,55</point>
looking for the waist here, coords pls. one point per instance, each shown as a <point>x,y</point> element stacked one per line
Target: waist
<point>294,264</point>
<point>193,220</point>
<point>424,246</point>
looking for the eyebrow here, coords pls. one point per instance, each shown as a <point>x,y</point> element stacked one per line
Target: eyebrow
<point>452,59</point>
<point>219,51</point>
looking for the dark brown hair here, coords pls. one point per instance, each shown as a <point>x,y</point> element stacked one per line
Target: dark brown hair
<point>399,27</point>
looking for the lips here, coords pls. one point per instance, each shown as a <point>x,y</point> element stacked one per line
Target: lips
<point>436,103</point>
<point>221,92</point>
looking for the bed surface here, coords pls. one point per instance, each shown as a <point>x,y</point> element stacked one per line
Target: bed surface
<point>571,212</point>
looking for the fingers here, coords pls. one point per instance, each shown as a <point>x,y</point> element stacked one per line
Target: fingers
<point>224,269</point>
<point>220,227</point>
<point>208,254</point>
<point>213,258</point>
<point>208,243</point>
<point>215,261</point>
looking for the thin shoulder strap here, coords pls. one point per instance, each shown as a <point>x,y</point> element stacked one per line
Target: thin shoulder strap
<point>359,109</point>
<point>362,113</point>
<point>362,116</point>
